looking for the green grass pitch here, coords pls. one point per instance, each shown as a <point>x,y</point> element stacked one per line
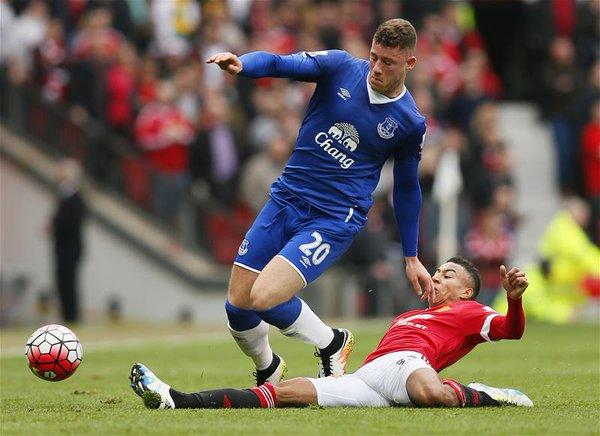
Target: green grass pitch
<point>557,366</point>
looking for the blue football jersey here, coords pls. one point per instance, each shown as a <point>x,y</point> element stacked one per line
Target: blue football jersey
<point>348,133</point>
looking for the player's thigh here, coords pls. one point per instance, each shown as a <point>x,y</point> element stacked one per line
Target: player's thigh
<point>390,373</point>
<point>347,391</point>
<point>264,239</point>
<point>240,284</point>
<point>276,284</point>
<point>317,246</point>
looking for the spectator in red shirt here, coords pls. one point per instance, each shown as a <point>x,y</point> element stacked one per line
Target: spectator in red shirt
<point>488,243</point>
<point>147,81</point>
<point>164,134</point>
<point>590,146</point>
<point>94,47</point>
<point>121,79</point>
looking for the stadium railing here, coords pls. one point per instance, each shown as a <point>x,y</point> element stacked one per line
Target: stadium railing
<point>115,168</point>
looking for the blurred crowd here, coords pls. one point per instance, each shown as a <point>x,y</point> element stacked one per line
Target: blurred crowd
<point>138,66</point>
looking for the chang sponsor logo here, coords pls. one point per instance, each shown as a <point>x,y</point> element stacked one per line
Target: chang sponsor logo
<point>339,135</point>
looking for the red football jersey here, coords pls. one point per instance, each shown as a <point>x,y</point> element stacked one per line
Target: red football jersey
<point>445,333</point>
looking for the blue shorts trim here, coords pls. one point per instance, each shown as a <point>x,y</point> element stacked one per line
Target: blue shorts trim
<point>249,268</point>
<point>295,268</point>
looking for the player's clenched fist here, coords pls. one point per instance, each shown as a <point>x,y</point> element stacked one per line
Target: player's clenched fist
<point>514,281</point>
<point>227,62</point>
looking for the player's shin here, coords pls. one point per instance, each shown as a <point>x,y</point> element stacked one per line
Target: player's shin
<point>260,397</point>
<point>251,334</point>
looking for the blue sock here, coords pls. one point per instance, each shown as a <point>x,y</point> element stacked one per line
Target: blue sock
<point>283,315</point>
<point>241,319</point>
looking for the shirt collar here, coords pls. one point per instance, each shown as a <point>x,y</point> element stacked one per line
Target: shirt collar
<point>377,98</point>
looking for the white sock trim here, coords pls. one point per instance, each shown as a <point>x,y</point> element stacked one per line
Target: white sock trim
<point>267,396</point>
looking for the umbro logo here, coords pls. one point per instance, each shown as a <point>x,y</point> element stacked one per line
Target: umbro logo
<point>305,261</point>
<point>344,94</point>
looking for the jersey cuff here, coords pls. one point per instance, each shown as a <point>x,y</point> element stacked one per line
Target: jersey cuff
<point>487,324</point>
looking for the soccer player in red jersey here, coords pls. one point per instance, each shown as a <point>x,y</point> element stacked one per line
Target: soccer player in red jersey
<point>403,369</point>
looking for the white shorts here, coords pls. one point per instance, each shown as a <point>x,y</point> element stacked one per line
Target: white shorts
<point>379,383</point>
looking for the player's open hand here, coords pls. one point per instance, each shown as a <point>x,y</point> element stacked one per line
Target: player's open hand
<point>417,275</point>
<point>514,281</point>
<point>227,62</point>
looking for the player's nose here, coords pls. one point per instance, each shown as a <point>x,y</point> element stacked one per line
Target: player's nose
<point>377,67</point>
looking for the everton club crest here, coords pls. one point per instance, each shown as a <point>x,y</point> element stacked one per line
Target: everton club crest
<point>243,247</point>
<point>387,128</point>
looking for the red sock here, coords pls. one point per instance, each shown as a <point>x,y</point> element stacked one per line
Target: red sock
<point>470,397</point>
<point>266,395</point>
<point>459,389</point>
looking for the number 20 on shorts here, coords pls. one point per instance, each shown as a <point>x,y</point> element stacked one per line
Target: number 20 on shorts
<point>317,248</point>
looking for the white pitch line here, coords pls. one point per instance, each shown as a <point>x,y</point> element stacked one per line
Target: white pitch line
<point>104,345</point>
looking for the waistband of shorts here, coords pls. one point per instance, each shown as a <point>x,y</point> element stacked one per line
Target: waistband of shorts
<point>281,194</point>
<point>397,354</point>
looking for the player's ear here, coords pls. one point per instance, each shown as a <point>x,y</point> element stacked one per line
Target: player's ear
<point>410,62</point>
<point>467,294</point>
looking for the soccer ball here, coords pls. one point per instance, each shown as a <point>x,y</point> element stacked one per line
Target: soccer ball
<point>53,352</point>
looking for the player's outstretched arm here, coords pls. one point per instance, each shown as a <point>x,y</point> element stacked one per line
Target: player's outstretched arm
<point>514,282</point>
<point>227,62</point>
<point>512,325</point>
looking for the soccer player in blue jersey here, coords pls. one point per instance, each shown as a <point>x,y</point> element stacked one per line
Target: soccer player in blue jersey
<point>360,115</point>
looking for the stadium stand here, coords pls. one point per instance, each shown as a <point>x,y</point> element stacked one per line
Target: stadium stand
<point>92,79</point>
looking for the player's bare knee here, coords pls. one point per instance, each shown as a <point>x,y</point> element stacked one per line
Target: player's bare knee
<point>420,395</point>
<point>438,395</point>
<point>262,299</point>
<point>239,298</point>
<point>240,284</point>
<point>428,394</point>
